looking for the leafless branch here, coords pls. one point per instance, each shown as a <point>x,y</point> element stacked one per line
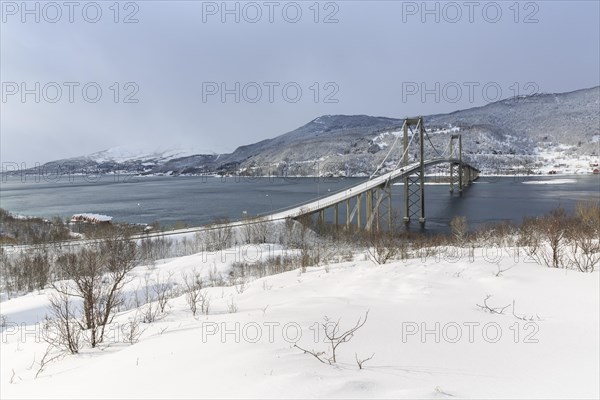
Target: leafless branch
<point>523,317</point>
<point>361,362</point>
<point>491,310</point>
<point>319,355</point>
<point>47,358</point>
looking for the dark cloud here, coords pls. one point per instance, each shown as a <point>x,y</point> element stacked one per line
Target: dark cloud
<point>379,58</point>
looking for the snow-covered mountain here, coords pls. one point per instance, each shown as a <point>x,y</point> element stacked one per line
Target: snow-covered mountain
<point>124,154</point>
<point>525,131</point>
<point>127,160</point>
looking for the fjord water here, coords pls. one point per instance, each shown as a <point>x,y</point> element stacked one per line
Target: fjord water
<point>200,200</point>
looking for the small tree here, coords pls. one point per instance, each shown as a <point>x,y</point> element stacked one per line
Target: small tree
<point>335,338</point>
<point>583,237</point>
<point>193,290</point>
<point>383,246</point>
<point>554,229</point>
<point>66,330</point>
<point>459,227</point>
<point>218,235</point>
<point>98,274</point>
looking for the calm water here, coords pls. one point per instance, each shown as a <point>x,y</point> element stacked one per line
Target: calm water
<point>200,200</point>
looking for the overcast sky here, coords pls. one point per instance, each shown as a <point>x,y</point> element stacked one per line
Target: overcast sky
<point>381,58</point>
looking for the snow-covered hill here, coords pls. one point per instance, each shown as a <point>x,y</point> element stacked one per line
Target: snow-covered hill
<point>428,336</point>
<point>124,154</point>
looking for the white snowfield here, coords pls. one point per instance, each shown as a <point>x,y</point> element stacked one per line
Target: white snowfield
<point>429,338</point>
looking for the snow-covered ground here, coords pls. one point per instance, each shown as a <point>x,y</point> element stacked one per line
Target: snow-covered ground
<point>564,164</point>
<point>429,337</point>
<point>556,181</point>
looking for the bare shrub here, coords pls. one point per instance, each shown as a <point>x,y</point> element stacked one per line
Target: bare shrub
<point>163,291</point>
<point>232,308</point>
<point>219,235</point>
<point>155,248</point>
<point>492,310</point>
<point>240,285</point>
<point>524,317</point>
<point>585,250</point>
<point>215,278</point>
<point>459,227</point>
<point>27,270</point>
<point>335,338</point>
<point>290,232</point>
<point>584,239</point>
<point>256,230</point>
<point>192,288</point>
<point>554,228</point>
<point>588,213</point>
<point>427,246</point>
<point>51,354</point>
<point>150,310</point>
<point>360,362</point>
<point>382,246</point>
<point>502,233</point>
<point>98,274</point>
<point>325,251</point>
<point>132,330</point>
<point>65,327</point>
<point>500,271</point>
<point>31,230</point>
<point>530,236</point>
<point>204,302</point>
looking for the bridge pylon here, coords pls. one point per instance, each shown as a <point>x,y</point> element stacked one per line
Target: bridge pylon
<point>460,164</point>
<point>414,186</point>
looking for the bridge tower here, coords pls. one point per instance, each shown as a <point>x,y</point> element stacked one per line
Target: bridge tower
<point>414,186</point>
<point>460,164</point>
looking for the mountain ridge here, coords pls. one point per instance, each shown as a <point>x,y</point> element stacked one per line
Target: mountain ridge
<point>508,133</point>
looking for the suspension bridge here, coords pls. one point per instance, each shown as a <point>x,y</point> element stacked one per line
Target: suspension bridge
<point>375,194</point>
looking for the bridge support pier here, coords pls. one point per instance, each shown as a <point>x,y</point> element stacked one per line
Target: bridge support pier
<point>451,174</point>
<point>358,224</point>
<point>348,214</point>
<point>390,212</point>
<point>335,215</point>
<point>376,211</point>
<point>369,209</point>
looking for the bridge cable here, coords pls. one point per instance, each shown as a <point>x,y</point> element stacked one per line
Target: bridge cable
<point>387,155</point>
<point>431,143</point>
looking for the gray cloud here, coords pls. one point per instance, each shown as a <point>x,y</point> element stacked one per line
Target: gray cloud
<point>368,56</point>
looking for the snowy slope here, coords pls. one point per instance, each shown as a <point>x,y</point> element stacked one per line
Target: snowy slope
<point>124,154</point>
<point>554,356</point>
